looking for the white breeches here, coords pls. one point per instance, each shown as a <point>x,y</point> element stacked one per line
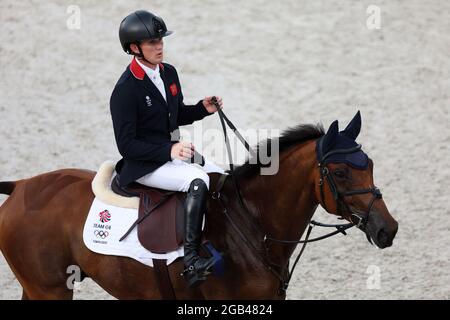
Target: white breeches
<point>177,175</point>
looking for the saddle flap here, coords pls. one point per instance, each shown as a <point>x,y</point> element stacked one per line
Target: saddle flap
<point>162,230</point>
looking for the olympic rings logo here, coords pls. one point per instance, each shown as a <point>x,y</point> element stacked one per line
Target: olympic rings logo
<point>101,234</point>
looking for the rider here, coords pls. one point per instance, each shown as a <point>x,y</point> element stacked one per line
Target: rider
<point>147,108</point>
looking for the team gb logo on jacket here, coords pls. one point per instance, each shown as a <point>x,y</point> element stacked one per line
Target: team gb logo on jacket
<point>148,101</point>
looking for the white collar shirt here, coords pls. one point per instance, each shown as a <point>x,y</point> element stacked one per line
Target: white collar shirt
<point>155,77</point>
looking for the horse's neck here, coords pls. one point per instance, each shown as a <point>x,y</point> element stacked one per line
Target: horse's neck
<point>279,206</point>
<point>285,200</point>
<point>284,203</point>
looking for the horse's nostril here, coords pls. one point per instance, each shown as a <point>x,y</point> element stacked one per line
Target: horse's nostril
<point>383,238</point>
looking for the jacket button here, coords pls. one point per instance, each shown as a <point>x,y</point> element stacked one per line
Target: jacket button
<point>169,114</point>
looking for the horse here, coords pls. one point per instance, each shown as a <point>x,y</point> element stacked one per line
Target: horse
<point>41,222</point>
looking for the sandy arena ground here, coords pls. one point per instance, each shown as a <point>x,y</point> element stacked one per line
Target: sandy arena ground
<point>276,64</point>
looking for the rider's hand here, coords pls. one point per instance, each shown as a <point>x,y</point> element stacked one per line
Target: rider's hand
<point>182,150</point>
<point>207,103</point>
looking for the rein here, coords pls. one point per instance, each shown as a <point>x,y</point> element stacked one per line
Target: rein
<point>216,195</point>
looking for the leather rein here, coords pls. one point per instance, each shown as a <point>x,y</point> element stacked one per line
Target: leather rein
<point>356,220</point>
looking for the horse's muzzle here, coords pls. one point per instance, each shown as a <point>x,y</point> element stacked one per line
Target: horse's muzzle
<point>382,234</point>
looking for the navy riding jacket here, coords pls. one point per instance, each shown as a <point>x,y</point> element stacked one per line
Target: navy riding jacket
<point>144,123</point>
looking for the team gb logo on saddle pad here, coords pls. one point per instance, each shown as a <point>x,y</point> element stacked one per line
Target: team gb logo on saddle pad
<point>105,216</point>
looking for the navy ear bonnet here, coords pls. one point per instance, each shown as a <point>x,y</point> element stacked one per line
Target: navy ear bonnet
<point>341,147</point>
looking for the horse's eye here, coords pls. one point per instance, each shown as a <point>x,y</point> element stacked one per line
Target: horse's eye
<point>339,173</point>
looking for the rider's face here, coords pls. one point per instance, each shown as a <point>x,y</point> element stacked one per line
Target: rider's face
<point>153,50</point>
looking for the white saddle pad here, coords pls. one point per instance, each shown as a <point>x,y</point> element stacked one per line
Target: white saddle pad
<point>106,224</point>
<point>112,215</point>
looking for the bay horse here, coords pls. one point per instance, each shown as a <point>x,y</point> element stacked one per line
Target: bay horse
<point>41,222</point>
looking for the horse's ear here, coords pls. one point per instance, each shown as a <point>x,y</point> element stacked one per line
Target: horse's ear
<point>354,127</point>
<point>330,136</point>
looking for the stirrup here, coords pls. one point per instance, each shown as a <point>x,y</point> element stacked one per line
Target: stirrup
<point>192,268</point>
<point>193,278</point>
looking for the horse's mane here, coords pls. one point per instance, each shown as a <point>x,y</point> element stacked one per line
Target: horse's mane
<point>289,138</point>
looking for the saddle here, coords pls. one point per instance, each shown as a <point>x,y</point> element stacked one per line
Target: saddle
<point>160,220</point>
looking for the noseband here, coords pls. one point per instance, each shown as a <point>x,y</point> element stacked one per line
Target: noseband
<point>358,220</point>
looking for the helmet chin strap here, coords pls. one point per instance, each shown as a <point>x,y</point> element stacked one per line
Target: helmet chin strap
<point>141,54</point>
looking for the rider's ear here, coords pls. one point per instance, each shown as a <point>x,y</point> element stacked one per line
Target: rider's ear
<point>354,127</point>
<point>330,136</point>
<point>134,48</point>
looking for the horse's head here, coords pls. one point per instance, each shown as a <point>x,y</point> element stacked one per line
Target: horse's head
<point>345,184</point>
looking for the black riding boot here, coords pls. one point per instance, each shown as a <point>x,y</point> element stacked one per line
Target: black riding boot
<point>196,267</point>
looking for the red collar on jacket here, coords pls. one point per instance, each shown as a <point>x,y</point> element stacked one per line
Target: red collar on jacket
<point>137,70</point>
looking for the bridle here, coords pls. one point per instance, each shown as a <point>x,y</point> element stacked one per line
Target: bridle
<point>285,275</point>
<point>354,217</point>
